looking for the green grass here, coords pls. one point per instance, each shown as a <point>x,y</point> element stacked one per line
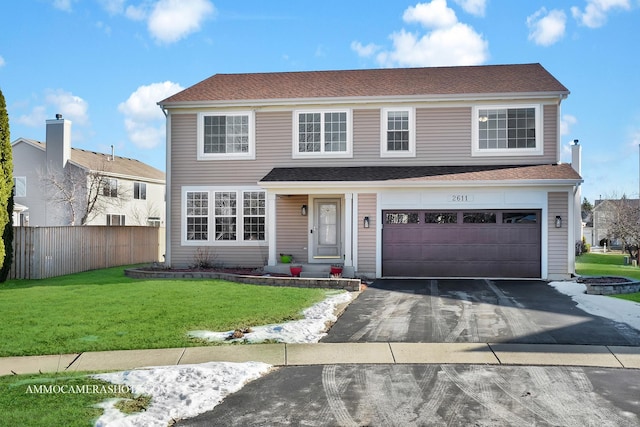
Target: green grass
<point>612,264</point>
<point>33,400</point>
<point>104,310</point>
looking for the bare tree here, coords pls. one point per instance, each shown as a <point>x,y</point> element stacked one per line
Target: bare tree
<point>624,224</point>
<point>141,215</point>
<point>80,195</point>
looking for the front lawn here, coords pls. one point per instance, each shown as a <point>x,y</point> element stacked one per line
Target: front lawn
<point>105,310</point>
<point>54,399</point>
<point>611,264</point>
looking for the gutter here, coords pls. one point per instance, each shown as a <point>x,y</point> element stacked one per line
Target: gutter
<point>414,184</point>
<point>362,100</point>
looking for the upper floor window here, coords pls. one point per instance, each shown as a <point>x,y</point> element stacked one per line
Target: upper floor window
<point>322,133</point>
<point>140,190</point>
<point>110,187</point>
<point>115,219</point>
<point>20,186</point>
<point>398,135</point>
<point>507,131</point>
<point>226,135</point>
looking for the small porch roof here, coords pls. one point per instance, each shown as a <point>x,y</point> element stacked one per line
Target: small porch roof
<point>550,174</point>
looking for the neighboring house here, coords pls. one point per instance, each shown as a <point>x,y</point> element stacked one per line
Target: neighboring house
<point>421,172</point>
<point>52,181</point>
<point>605,211</point>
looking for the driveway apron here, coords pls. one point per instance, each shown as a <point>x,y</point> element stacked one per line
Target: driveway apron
<point>467,310</point>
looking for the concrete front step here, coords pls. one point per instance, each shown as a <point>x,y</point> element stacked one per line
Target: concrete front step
<point>308,270</point>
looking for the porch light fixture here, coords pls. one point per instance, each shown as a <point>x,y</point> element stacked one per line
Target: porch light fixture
<point>558,221</point>
<point>366,222</point>
<point>303,210</point>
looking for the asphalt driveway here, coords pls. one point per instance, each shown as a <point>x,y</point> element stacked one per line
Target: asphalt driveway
<point>448,311</point>
<point>510,311</point>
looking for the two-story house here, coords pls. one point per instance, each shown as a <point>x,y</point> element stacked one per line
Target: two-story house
<point>420,172</point>
<point>57,185</point>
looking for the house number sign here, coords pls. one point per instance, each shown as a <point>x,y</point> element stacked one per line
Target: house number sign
<point>460,198</point>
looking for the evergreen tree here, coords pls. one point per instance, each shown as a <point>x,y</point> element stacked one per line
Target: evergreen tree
<point>6,180</point>
<point>7,237</point>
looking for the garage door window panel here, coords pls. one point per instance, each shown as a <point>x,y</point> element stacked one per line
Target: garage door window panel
<point>402,218</point>
<point>519,218</point>
<point>440,218</point>
<point>479,217</point>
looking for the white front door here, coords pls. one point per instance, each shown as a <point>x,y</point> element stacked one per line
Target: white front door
<point>326,230</point>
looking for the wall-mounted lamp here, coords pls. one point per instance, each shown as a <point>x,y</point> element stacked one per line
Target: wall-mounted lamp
<point>558,221</point>
<point>366,222</point>
<point>303,210</point>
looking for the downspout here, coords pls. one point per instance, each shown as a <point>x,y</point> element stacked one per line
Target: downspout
<point>167,188</point>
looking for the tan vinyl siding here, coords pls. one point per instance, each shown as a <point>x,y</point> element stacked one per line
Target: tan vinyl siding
<point>291,227</point>
<point>443,136</point>
<point>550,120</point>
<point>558,237</point>
<point>367,206</point>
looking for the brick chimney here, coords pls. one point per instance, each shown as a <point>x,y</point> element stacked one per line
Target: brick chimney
<point>58,142</point>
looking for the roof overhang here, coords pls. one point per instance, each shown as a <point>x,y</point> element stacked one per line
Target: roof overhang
<point>312,178</point>
<point>363,100</point>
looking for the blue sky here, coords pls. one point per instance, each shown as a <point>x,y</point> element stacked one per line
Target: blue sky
<point>104,64</point>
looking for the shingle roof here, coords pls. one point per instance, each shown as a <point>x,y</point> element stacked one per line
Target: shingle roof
<point>422,173</point>
<point>100,161</point>
<point>484,79</point>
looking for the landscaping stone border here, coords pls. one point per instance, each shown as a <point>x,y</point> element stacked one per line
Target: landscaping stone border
<point>625,286</point>
<point>352,285</point>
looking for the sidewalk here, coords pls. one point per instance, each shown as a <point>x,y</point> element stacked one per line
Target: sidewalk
<point>334,353</point>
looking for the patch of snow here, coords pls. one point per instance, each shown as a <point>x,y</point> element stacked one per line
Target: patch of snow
<point>612,308</point>
<point>310,329</point>
<point>185,391</point>
<point>182,391</point>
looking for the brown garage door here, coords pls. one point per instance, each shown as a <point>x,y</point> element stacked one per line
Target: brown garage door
<point>495,243</point>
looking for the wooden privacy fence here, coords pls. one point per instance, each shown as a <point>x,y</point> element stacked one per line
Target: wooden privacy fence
<point>41,252</point>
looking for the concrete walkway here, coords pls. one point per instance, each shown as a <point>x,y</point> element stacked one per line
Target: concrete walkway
<point>335,353</point>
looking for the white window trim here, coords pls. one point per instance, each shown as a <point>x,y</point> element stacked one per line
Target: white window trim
<point>296,154</point>
<point>384,151</point>
<point>211,241</point>
<point>250,155</point>
<point>475,145</point>
<point>23,179</point>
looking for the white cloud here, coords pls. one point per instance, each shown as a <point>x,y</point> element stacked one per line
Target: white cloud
<point>448,41</point>
<point>566,122</point>
<point>136,13</point>
<point>56,101</point>
<point>595,13</point>
<point>431,15</point>
<point>457,45</point>
<point>65,5</point>
<point>546,28</point>
<point>35,118</point>
<point>364,51</point>
<point>2,62</point>
<point>144,121</point>
<point>474,7</point>
<point>172,20</point>
<point>69,105</point>
<point>113,7</point>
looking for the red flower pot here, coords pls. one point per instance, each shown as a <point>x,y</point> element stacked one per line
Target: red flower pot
<point>336,270</point>
<point>295,271</point>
